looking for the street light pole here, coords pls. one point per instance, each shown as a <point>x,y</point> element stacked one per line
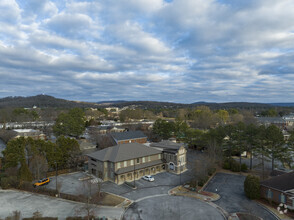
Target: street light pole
<point>56,174</point>
<point>180,173</point>
<point>134,174</point>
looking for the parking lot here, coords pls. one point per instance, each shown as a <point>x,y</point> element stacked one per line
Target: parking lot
<point>28,203</point>
<point>71,184</point>
<point>172,208</point>
<point>231,189</point>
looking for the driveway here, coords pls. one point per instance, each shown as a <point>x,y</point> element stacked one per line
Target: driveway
<point>172,208</point>
<point>28,203</point>
<point>230,188</point>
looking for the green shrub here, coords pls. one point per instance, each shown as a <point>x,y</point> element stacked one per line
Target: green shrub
<point>9,182</point>
<point>74,218</point>
<point>5,183</point>
<point>235,166</point>
<point>226,165</point>
<point>41,218</point>
<point>231,164</point>
<point>252,187</point>
<point>202,181</point>
<point>211,171</point>
<point>244,167</point>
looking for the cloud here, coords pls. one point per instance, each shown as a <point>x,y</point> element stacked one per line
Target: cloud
<point>182,51</point>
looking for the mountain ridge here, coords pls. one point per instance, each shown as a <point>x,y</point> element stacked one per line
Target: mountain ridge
<point>44,101</point>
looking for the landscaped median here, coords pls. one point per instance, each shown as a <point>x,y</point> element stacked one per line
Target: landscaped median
<point>186,191</point>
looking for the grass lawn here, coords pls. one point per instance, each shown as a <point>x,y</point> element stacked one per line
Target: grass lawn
<point>110,199</point>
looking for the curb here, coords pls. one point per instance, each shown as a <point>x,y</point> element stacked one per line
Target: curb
<point>58,198</point>
<point>207,182</point>
<point>267,209</point>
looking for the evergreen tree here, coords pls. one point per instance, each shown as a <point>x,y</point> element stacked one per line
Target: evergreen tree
<point>70,124</point>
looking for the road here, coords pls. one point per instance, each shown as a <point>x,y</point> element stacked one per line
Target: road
<point>172,208</point>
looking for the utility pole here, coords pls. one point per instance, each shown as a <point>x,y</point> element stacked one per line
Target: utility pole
<point>134,174</point>
<point>180,173</point>
<point>56,174</point>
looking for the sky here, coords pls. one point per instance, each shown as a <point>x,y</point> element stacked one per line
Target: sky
<point>177,50</point>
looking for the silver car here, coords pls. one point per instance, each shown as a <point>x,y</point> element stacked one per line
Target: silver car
<point>148,178</point>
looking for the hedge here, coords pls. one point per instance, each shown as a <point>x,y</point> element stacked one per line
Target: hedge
<point>252,187</point>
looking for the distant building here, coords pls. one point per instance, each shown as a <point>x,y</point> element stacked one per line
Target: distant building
<point>278,121</point>
<point>125,162</point>
<point>279,189</point>
<point>129,137</point>
<point>35,134</point>
<point>2,148</point>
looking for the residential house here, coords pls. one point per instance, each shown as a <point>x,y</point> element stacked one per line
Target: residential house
<point>35,134</point>
<point>173,155</point>
<point>2,148</point>
<point>125,162</point>
<point>129,137</point>
<point>278,121</point>
<point>279,189</point>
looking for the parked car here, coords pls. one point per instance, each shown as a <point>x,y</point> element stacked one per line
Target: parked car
<point>148,178</point>
<point>42,182</point>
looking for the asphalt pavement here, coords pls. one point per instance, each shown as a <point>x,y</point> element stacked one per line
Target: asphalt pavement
<point>28,203</point>
<point>172,208</point>
<point>231,189</point>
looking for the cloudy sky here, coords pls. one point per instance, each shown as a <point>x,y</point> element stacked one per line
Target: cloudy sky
<point>162,50</point>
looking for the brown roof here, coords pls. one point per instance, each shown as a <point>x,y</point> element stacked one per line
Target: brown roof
<point>128,135</point>
<point>123,152</point>
<point>165,144</point>
<point>283,182</point>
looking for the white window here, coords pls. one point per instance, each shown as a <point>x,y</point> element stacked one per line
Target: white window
<point>105,164</point>
<point>125,163</point>
<point>159,156</point>
<point>283,198</point>
<point>149,159</point>
<point>269,194</point>
<point>143,159</point>
<point>118,165</point>
<point>132,162</point>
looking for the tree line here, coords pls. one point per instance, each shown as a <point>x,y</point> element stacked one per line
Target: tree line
<point>26,159</point>
<point>233,139</point>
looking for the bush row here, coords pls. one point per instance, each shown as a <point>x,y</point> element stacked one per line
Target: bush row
<point>233,165</point>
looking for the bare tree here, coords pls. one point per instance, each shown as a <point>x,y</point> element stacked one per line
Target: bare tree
<point>101,140</point>
<point>37,214</point>
<point>201,167</point>
<point>38,166</point>
<point>88,199</point>
<point>16,215</point>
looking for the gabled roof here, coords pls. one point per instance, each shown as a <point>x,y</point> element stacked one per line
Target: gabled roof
<point>271,120</point>
<point>165,144</point>
<point>123,152</point>
<point>283,182</point>
<point>128,135</point>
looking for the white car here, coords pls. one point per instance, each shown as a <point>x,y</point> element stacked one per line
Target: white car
<point>148,178</point>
